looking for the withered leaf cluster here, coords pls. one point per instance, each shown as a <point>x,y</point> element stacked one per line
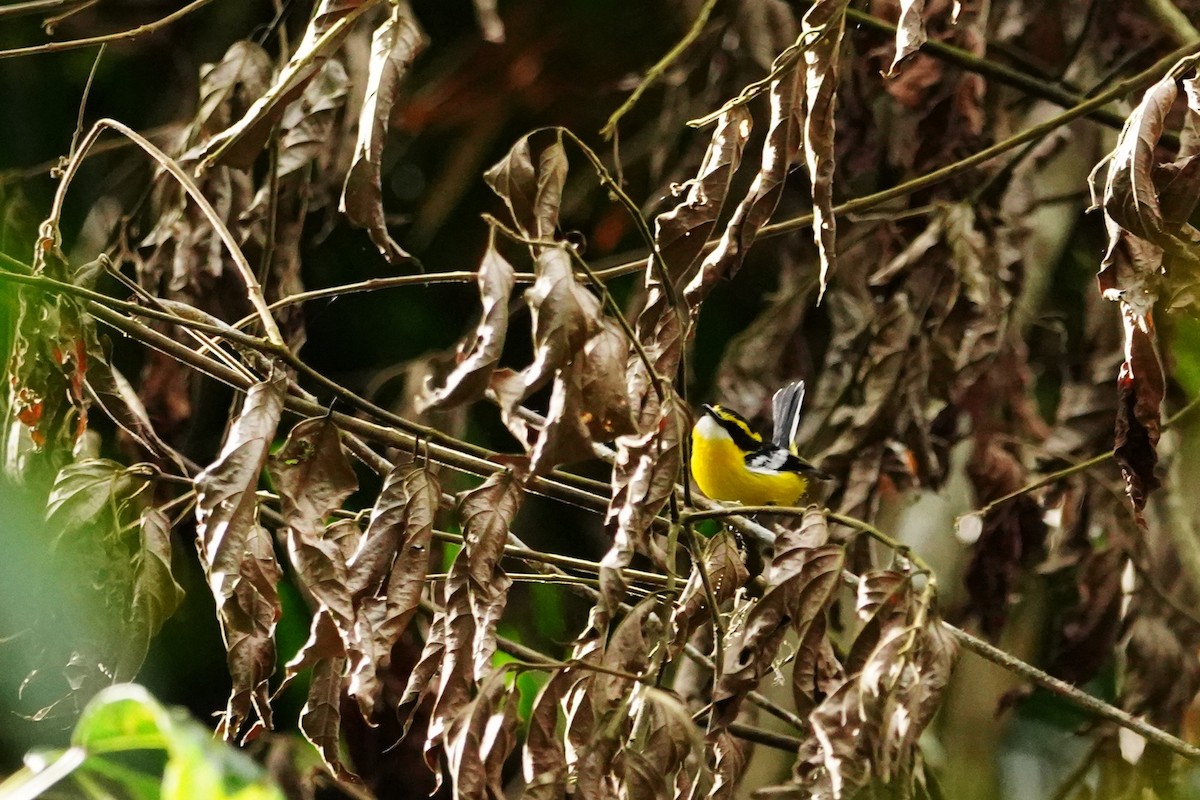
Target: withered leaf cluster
<point>912,295</point>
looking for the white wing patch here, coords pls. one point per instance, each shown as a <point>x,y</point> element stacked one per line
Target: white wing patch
<point>767,461</point>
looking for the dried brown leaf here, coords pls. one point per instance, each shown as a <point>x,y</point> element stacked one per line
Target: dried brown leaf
<point>321,718</point>
<point>910,32</point>
<point>826,20</point>
<point>386,576</point>
<point>480,740</point>
<point>478,356</point>
<point>723,562</point>
<point>679,236</point>
<point>239,144</point>
<point>730,756</point>
<point>664,737</point>
<point>644,475</point>
<point>486,515</point>
<point>238,556</point>
<point>313,474</point>
<point>780,150</point>
<point>803,578</point>
<point>544,758</point>
<point>395,45</point>
<point>422,681</point>
<point>533,194</point>
<point>599,733</point>
<point>1140,390</point>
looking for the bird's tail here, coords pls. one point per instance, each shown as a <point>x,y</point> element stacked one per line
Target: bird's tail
<point>786,409</point>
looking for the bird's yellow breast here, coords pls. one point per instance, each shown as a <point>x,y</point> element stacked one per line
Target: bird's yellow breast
<point>719,468</point>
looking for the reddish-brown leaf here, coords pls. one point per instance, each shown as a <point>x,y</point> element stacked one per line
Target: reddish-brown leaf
<point>313,474</point>
<point>478,356</point>
<point>910,32</point>
<point>238,556</point>
<point>826,21</point>
<point>395,45</point>
<point>803,578</point>
<point>386,576</point>
<point>1140,389</point>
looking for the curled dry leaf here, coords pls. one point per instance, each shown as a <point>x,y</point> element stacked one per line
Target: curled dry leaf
<point>664,739</point>
<point>1140,390</point>
<point>533,194</point>
<point>730,756</point>
<point>481,739</point>
<point>238,556</point>
<point>679,237</point>
<point>486,514</point>
<point>314,478</point>
<point>804,576</point>
<point>910,32</point>
<point>312,474</point>
<point>722,561</point>
<point>643,478</point>
<point>780,150</point>
<point>602,722</point>
<point>826,21</point>
<point>239,144</point>
<point>870,726</point>
<point>544,759</point>
<point>1146,205</point>
<point>321,716</point>
<point>422,681</point>
<point>478,356</point>
<point>386,575</point>
<point>464,635</point>
<point>566,317</point>
<point>394,46</point>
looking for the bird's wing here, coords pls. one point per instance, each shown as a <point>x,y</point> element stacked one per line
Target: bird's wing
<point>776,459</point>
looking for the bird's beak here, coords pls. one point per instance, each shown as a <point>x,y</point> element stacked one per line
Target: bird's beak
<point>712,412</point>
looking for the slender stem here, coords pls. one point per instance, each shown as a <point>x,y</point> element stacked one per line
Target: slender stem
<point>1066,691</point>
<point>1175,23</point>
<point>1046,480</point>
<point>133,33</point>
<point>991,69</point>
<point>253,290</point>
<point>656,71</point>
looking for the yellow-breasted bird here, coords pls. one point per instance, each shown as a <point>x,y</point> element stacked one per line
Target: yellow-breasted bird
<point>731,462</point>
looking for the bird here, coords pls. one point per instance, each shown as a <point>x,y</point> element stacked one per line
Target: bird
<point>731,462</point>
